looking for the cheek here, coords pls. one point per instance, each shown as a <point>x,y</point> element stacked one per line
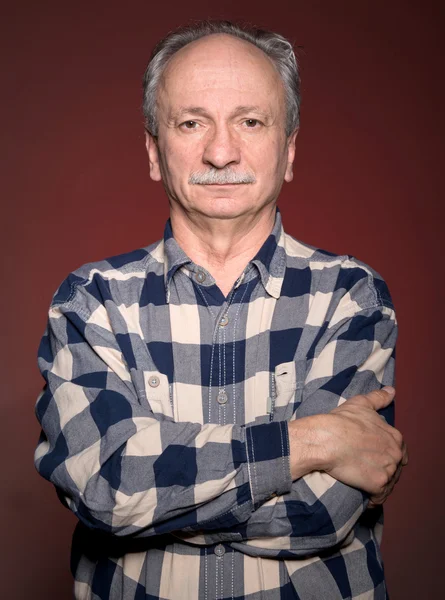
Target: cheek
<point>177,165</point>
<point>266,160</point>
<point>180,161</point>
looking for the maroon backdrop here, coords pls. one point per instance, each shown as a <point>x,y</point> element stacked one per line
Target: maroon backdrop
<point>367,182</point>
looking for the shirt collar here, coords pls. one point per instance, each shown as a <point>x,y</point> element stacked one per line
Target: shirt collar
<point>270,260</point>
<point>174,257</point>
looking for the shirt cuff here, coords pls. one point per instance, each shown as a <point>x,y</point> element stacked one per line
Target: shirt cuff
<point>268,461</point>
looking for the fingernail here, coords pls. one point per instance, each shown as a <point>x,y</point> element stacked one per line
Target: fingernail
<point>389,389</point>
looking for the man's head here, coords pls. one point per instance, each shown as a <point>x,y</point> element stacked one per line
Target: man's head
<point>221,117</point>
<point>275,46</point>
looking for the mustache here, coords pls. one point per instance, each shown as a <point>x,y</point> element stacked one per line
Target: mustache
<point>225,176</point>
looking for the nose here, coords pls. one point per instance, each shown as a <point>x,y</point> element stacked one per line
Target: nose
<point>221,148</point>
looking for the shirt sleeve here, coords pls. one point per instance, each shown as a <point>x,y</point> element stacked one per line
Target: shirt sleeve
<point>127,470</point>
<point>353,355</point>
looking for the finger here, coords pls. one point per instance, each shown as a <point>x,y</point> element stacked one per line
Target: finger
<point>395,433</point>
<point>392,482</point>
<point>396,453</point>
<point>382,496</point>
<point>381,422</point>
<point>394,479</point>
<point>379,399</point>
<point>405,455</point>
<point>377,500</point>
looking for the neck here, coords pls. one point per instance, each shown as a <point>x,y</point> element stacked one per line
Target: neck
<point>222,246</point>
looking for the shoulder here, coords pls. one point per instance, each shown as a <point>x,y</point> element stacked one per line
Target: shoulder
<point>340,275</point>
<point>126,267</point>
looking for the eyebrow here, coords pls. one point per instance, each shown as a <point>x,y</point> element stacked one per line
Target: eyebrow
<point>200,111</point>
<point>250,108</point>
<point>190,110</point>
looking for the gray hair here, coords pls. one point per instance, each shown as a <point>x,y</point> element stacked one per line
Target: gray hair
<point>275,46</point>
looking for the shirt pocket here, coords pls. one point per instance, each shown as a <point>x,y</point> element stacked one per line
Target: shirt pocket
<point>287,389</point>
<point>153,387</point>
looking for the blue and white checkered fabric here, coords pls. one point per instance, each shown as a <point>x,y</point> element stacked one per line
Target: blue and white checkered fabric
<point>164,423</point>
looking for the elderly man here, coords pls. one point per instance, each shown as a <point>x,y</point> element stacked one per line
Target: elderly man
<point>211,404</point>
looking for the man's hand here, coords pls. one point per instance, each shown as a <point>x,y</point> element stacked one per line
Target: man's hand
<point>353,443</point>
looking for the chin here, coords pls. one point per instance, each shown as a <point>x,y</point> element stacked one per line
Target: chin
<point>224,208</point>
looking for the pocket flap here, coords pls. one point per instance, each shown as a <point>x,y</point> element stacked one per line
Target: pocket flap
<point>285,378</point>
<point>157,392</point>
<point>153,387</point>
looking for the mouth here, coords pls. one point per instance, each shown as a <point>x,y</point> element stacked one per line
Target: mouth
<point>223,185</point>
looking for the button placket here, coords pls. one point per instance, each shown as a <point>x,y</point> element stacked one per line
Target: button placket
<point>222,397</point>
<point>219,552</point>
<point>219,351</point>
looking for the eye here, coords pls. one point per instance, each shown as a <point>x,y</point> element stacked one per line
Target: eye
<point>252,123</point>
<point>189,125</point>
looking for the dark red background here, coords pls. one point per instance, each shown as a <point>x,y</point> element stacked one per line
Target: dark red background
<point>368,181</point>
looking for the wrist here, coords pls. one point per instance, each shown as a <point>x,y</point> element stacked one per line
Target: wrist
<point>307,448</point>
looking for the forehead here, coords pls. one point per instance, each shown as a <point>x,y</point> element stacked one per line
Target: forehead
<point>221,68</point>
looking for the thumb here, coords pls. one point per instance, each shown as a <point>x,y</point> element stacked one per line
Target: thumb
<point>381,398</point>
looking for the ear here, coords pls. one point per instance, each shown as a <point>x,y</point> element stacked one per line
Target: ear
<point>153,156</point>
<point>289,175</point>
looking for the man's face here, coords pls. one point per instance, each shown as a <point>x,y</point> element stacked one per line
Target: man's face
<point>221,150</point>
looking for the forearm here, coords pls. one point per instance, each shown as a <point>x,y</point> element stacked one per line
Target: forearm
<point>133,470</point>
<point>320,511</point>
<point>317,514</point>
<point>126,469</point>
<point>125,485</point>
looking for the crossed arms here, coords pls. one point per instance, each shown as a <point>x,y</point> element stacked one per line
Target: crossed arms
<point>127,470</point>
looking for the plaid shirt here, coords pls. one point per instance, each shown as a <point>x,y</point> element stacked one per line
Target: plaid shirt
<point>164,423</point>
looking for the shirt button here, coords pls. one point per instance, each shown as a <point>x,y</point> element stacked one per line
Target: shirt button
<point>200,276</point>
<point>220,550</point>
<point>224,320</point>
<point>221,398</point>
<point>153,381</point>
